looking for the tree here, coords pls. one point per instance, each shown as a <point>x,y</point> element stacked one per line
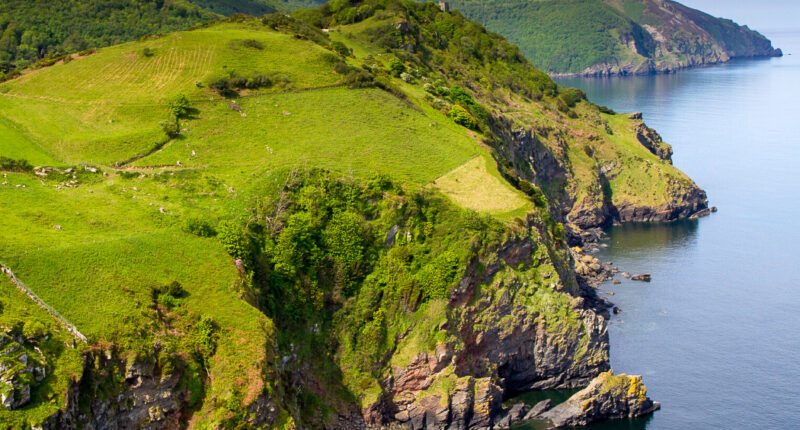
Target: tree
<point>172,126</point>
<point>180,106</point>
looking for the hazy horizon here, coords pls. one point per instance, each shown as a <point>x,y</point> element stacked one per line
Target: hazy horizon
<point>763,16</point>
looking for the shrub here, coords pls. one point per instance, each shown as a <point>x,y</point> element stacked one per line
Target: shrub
<point>222,85</point>
<point>199,227</point>
<point>204,338</point>
<point>147,52</point>
<point>226,86</point>
<point>534,192</point>
<point>341,49</point>
<point>235,240</point>
<point>11,165</point>
<point>33,330</point>
<point>331,58</point>
<point>571,96</point>
<point>462,117</point>
<point>174,289</point>
<point>606,110</point>
<point>396,67</point>
<point>252,43</point>
<point>172,126</point>
<point>438,276</point>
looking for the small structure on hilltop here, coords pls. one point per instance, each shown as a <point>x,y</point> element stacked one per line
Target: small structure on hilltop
<point>444,6</point>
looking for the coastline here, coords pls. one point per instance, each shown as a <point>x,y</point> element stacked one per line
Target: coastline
<point>649,68</point>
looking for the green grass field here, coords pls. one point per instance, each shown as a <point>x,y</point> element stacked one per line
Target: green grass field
<point>93,251</point>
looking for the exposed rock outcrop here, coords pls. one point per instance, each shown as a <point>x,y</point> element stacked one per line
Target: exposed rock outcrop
<point>21,368</point>
<point>651,140</point>
<point>608,396</point>
<point>585,200</point>
<point>504,346</point>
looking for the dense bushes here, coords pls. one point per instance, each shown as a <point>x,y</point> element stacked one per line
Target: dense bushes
<point>199,227</point>
<point>227,86</point>
<point>252,43</point>
<point>341,49</point>
<point>571,96</point>
<point>11,165</point>
<point>462,117</point>
<point>35,29</point>
<point>322,241</point>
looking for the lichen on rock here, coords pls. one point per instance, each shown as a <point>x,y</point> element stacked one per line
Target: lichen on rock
<point>608,396</point>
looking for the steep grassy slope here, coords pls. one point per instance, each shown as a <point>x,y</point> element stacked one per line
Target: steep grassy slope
<point>26,329</point>
<point>615,37</point>
<point>184,225</point>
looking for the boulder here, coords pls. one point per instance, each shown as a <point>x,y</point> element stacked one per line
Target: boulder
<point>608,396</point>
<point>643,277</point>
<point>517,412</point>
<point>537,409</point>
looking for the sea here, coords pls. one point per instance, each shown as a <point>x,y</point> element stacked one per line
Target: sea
<point>716,334</point>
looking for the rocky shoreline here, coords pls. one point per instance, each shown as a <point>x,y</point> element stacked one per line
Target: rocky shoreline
<point>651,68</point>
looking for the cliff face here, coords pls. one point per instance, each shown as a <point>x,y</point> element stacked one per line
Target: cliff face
<point>594,179</point>
<point>510,330</point>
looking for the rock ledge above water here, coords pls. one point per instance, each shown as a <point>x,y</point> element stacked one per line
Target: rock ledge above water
<point>608,396</point>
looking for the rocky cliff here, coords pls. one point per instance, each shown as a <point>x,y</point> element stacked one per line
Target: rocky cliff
<point>591,185</point>
<point>511,330</point>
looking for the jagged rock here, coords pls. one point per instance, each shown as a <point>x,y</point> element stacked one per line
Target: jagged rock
<point>643,277</point>
<point>512,416</point>
<point>607,397</point>
<point>703,213</point>
<point>392,235</point>
<point>537,409</point>
<point>651,140</point>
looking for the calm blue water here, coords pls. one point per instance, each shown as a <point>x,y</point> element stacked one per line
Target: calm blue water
<point>717,333</point>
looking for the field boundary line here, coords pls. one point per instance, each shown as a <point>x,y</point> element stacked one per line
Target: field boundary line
<point>28,292</point>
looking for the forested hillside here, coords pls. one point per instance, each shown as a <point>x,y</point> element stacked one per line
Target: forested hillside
<point>38,29</point>
<point>615,37</point>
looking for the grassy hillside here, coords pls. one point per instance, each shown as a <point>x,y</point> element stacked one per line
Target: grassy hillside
<point>272,217</point>
<point>95,247</point>
<point>597,37</point>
